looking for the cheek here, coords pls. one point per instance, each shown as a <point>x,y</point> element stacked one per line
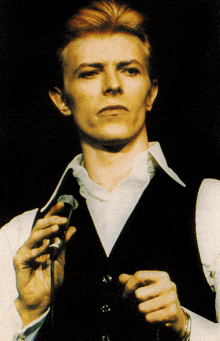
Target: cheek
<point>86,99</point>
<point>78,99</point>
<point>86,90</point>
<point>138,92</point>
<point>138,100</point>
<point>82,110</point>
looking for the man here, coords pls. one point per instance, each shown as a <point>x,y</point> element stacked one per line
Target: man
<point>131,237</point>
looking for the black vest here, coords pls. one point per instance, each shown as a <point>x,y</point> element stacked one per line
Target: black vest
<point>159,235</point>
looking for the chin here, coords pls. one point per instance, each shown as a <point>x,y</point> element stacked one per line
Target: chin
<point>116,138</point>
<point>108,143</point>
<point>112,146</point>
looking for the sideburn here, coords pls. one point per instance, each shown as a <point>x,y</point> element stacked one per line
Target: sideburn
<point>68,100</point>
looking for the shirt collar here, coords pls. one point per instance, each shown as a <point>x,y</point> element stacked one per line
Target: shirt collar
<point>143,170</point>
<point>141,173</point>
<point>159,157</point>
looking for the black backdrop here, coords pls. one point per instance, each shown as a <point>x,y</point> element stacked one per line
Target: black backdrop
<point>36,142</point>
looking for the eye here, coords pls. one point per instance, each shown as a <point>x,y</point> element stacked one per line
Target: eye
<point>88,74</point>
<point>131,71</point>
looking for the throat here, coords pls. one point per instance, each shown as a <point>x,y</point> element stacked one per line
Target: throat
<point>109,165</point>
<point>109,180</point>
<point>107,169</point>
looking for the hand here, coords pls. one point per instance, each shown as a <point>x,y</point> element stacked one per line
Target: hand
<point>32,266</point>
<point>157,298</point>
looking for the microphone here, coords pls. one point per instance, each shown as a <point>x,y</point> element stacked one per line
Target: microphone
<point>70,205</point>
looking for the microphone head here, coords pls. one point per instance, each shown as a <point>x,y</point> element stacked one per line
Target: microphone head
<point>68,199</point>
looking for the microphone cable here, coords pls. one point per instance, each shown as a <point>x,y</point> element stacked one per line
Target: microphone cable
<point>52,294</point>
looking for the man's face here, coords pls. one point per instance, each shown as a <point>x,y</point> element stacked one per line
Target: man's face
<point>107,83</point>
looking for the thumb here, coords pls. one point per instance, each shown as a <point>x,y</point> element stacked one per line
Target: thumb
<point>69,233</point>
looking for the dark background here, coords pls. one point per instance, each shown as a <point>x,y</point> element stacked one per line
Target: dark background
<point>36,142</point>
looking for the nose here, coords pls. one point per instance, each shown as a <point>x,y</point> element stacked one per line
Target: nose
<point>112,83</point>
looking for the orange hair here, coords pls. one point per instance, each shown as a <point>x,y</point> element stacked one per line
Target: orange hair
<point>105,16</point>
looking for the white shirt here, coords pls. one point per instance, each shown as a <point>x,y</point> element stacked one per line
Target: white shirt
<point>118,204</point>
<point>208,233</point>
<point>14,234</point>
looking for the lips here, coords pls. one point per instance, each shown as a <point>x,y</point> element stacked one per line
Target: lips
<point>113,107</point>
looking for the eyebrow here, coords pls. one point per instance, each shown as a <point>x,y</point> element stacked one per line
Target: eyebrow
<point>101,66</point>
<point>126,63</point>
<point>94,65</point>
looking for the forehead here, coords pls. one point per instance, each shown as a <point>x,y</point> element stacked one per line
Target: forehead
<point>104,48</point>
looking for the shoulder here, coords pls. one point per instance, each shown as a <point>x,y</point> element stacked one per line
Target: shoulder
<point>17,231</point>
<point>208,199</point>
<point>207,221</point>
<point>209,188</point>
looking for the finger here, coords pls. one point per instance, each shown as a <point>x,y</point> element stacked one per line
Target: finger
<point>158,303</point>
<point>148,292</point>
<point>61,251</point>
<point>55,209</point>
<point>143,278</point>
<point>49,221</point>
<point>123,278</point>
<point>37,252</point>
<point>58,241</point>
<point>25,255</point>
<point>155,289</point>
<point>69,233</point>
<point>167,316</point>
<point>38,236</point>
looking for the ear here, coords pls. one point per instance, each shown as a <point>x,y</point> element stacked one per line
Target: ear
<point>152,95</point>
<point>57,97</point>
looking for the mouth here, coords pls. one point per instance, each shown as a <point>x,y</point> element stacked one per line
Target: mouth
<point>112,107</point>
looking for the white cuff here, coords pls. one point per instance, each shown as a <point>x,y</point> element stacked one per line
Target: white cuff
<point>203,329</point>
<point>30,331</point>
<point>11,326</point>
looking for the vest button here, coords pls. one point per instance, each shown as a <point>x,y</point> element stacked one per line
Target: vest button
<point>105,308</point>
<point>107,279</point>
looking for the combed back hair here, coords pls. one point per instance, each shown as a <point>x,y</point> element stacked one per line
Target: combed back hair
<point>106,16</point>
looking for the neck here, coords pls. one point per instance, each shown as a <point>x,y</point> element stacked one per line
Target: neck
<point>108,168</point>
